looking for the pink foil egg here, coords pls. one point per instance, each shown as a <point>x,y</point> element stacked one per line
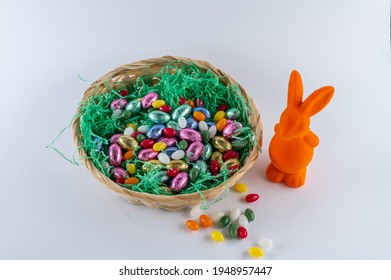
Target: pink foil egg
<point>194,151</point>
<point>147,100</point>
<point>180,181</point>
<point>118,173</point>
<point>229,130</point>
<point>190,135</point>
<point>118,104</point>
<point>114,138</point>
<point>147,154</point>
<point>169,141</point>
<point>115,154</point>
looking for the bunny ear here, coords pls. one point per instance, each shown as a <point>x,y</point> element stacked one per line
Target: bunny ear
<point>317,100</point>
<point>295,90</point>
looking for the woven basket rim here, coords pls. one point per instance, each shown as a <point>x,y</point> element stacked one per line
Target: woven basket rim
<point>128,73</point>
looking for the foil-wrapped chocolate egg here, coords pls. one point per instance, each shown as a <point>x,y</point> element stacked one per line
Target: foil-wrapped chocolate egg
<point>146,101</point>
<point>191,123</point>
<point>118,104</point>
<point>147,154</point>
<point>201,165</point>
<point>127,142</point>
<point>159,116</point>
<point>181,111</point>
<point>173,125</point>
<point>179,164</point>
<point>232,113</point>
<point>232,162</point>
<point>203,111</point>
<point>169,141</point>
<point>239,144</point>
<point>150,164</point>
<point>115,154</point>
<point>134,106</point>
<point>114,138</point>
<point>221,144</point>
<point>117,173</point>
<point>217,156</point>
<point>229,130</point>
<point>194,151</point>
<point>207,153</point>
<point>156,131</point>
<point>190,135</point>
<point>180,181</point>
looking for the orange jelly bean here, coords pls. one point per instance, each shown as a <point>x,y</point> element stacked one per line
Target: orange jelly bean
<point>128,155</point>
<point>221,124</point>
<point>205,221</point>
<point>199,116</point>
<point>192,225</point>
<point>191,103</point>
<point>132,181</point>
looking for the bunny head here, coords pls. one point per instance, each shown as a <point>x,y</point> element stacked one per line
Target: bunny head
<point>295,120</point>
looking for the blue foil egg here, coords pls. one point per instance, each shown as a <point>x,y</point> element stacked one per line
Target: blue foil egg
<point>170,150</point>
<point>156,131</point>
<point>192,123</point>
<point>202,110</point>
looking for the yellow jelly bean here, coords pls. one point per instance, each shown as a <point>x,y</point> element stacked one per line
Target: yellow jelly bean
<point>159,146</point>
<point>132,125</point>
<point>131,168</point>
<point>240,187</point>
<point>158,103</point>
<point>255,252</point>
<point>219,115</point>
<point>217,236</point>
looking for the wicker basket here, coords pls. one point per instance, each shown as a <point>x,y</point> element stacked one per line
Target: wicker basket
<point>128,73</point>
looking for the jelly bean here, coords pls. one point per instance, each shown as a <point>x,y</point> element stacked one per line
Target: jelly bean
<point>180,164</point>
<point>190,135</point>
<point>132,125</point>
<point>165,108</point>
<point>205,221</point>
<point>159,146</point>
<point>243,221</point>
<point>182,122</point>
<point>169,141</point>
<point>133,106</point>
<point>174,125</point>
<point>192,225</point>
<point>143,129</point>
<point>255,252</point>
<point>194,151</point>
<point>212,131</point>
<point>201,165</point>
<point>179,154</point>
<point>128,155</point>
<point>193,174</point>
<point>195,211</point>
<point>125,115</point>
<point>221,124</point>
<point>149,165</point>
<point>180,181</point>
<point>239,144</point>
<point>181,111</point>
<point>124,92</point>
<point>118,104</point>
<point>219,115</point>
<point>129,131</point>
<point>140,137</point>
<point>114,138</point>
<point>214,167</point>
<point>203,110</point>
<point>170,151</point>
<point>202,126</point>
<point>242,232</point>
<point>191,103</point>
<point>147,154</point>
<point>216,155</point>
<point>207,153</point>
<point>217,236</point>
<point>205,136</point>
<point>222,107</point>
<point>224,221</point>
<point>183,144</point>
<point>234,214</point>
<point>155,131</point>
<point>232,113</point>
<point>233,162</point>
<point>221,144</point>
<point>172,172</point>
<point>161,177</point>
<point>265,243</point>
<point>147,100</point>
<point>131,168</point>
<point>252,197</point>
<point>199,102</point>
<point>115,154</point>
<point>120,180</point>
<point>158,103</point>
<point>116,114</point>
<point>118,172</point>
<point>182,100</point>
<point>240,187</point>
<point>233,230</point>
<point>170,132</point>
<point>217,216</point>
<point>159,117</point>
<point>191,123</point>
<point>163,158</point>
<point>135,134</point>
<point>132,181</point>
<point>249,214</point>
<point>230,154</point>
<point>199,116</point>
<point>147,143</point>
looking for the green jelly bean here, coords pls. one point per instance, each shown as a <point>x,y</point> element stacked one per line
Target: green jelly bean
<point>193,174</point>
<point>205,136</point>
<point>183,144</point>
<point>249,214</point>
<point>224,221</point>
<point>140,137</point>
<point>233,230</point>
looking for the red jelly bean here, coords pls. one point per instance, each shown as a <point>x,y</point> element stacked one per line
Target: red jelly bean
<point>147,143</point>
<point>134,135</point>
<point>170,132</point>
<point>230,154</point>
<point>124,92</point>
<point>172,172</point>
<point>182,100</point>
<point>242,232</point>
<point>252,197</point>
<point>199,102</point>
<point>214,167</point>
<point>120,180</point>
<point>222,107</point>
<point>165,108</point>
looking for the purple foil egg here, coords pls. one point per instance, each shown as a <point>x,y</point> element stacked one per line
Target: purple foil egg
<point>118,104</point>
<point>147,100</point>
<point>115,154</point>
<point>147,154</point>
<point>114,138</point>
<point>180,181</point>
<point>190,135</point>
<point>170,141</point>
<point>194,151</point>
<point>117,173</point>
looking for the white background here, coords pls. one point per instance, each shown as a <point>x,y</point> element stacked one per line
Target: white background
<point>50,209</point>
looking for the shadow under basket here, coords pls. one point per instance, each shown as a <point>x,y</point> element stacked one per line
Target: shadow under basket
<point>129,73</point>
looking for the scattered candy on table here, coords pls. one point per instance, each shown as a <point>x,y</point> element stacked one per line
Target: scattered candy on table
<point>255,252</point>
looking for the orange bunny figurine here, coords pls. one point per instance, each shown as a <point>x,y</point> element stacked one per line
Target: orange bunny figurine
<point>292,146</point>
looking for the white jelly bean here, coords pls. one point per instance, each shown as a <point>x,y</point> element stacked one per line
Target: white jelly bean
<point>234,214</point>
<point>243,221</point>
<point>216,216</point>
<point>178,154</point>
<point>202,126</point>
<point>265,244</point>
<point>143,129</point>
<point>129,131</point>
<point>195,211</point>
<point>212,131</point>
<point>182,122</point>
<point>105,165</point>
<point>116,113</point>
<point>163,158</point>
